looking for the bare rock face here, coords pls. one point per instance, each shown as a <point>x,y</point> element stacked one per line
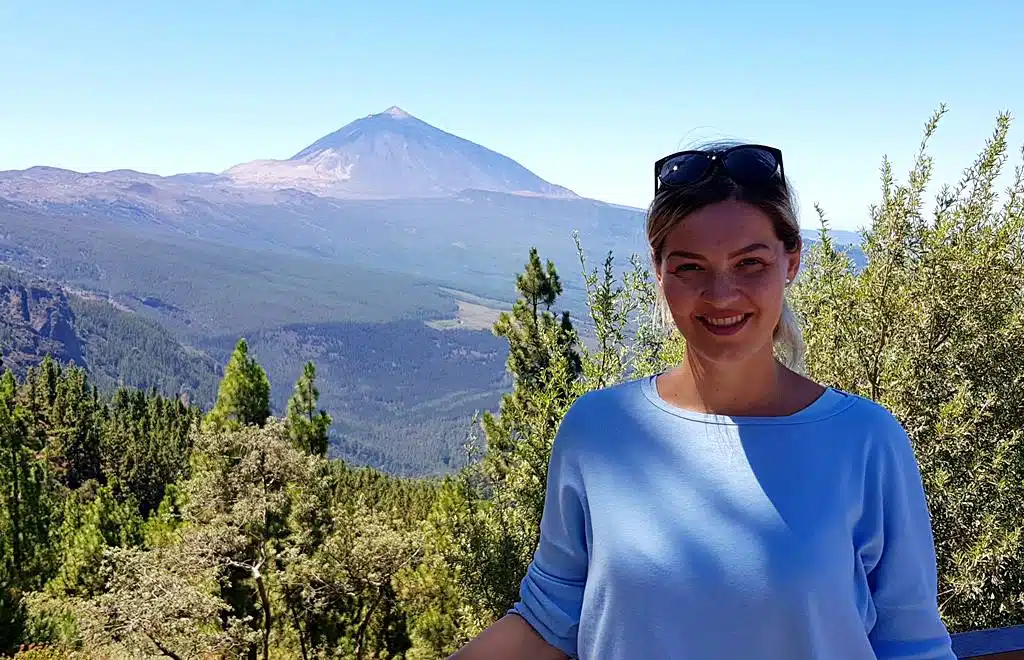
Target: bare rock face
<point>36,321</point>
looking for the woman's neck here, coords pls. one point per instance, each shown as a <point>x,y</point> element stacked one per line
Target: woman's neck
<point>758,386</point>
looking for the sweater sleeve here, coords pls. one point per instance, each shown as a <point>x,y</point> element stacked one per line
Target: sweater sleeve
<point>551,594</point>
<point>900,557</point>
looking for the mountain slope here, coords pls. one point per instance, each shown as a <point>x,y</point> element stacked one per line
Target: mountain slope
<point>393,154</point>
<point>407,410</point>
<point>35,321</point>
<point>39,319</point>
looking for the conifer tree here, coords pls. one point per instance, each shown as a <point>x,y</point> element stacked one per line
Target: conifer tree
<point>243,397</point>
<point>63,414</point>
<point>307,426</point>
<point>24,516</point>
<point>540,345</point>
<point>92,523</point>
<point>146,442</point>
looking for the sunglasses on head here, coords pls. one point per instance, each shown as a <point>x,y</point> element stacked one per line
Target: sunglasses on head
<point>746,164</point>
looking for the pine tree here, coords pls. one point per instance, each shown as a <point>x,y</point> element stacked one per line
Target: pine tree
<point>146,442</point>
<point>243,397</point>
<point>540,345</point>
<point>93,522</point>
<point>307,426</point>
<point>24,516</point>
<point>237,502</point>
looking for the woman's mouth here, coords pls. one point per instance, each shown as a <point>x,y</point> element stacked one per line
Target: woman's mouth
<point>724,325</point>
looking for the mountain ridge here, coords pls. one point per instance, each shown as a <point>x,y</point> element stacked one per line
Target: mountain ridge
<point>389,154</point>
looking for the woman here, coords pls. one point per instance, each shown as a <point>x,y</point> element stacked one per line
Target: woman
<point>729,507</point>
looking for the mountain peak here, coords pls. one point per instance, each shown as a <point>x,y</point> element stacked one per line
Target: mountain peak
<point>393,154</point>
<point>397,113</point>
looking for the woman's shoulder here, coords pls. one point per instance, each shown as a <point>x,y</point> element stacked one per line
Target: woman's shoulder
<point>608,400</point>
<point>866,412</point>
<point>599,410</point>
<point>876,425</point>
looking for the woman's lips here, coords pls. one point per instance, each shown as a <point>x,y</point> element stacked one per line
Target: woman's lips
<point>724,325</point>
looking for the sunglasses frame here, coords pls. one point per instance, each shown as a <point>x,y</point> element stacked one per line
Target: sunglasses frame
<point>717,160</point>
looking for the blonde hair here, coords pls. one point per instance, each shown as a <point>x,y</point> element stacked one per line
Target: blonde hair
<point>673,203</point>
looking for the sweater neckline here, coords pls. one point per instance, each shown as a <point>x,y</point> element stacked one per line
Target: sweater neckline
<point>830,402</point>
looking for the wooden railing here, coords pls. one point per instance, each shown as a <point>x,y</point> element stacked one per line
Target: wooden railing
<point>995,644</point>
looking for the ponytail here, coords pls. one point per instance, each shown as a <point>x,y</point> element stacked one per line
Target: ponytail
<point>789,340</point>
<point>663,320</point>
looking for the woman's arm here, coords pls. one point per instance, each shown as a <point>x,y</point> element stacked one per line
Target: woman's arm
<point>509,638</point>
<point>544,623</point>
<point>902,570</point>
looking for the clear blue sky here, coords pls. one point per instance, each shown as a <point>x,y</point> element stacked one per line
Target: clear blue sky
<point>586,94</point>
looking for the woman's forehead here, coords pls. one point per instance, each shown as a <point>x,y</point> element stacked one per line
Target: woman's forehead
<point>725,226</point>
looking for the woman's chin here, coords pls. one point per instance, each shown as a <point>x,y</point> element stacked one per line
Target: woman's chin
<point>734,348</point>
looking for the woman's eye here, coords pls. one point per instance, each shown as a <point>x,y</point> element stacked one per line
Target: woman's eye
<point>686,267</point>
<point>752,261</point>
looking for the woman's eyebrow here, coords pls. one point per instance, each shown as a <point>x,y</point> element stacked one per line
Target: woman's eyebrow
<point>753,247</point>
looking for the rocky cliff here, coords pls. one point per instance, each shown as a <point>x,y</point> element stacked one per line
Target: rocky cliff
<point>36,320</point>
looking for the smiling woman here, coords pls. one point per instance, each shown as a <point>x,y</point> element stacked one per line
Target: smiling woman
<point>728,507</point>
<point>696,212</point>
<point>722,273</point>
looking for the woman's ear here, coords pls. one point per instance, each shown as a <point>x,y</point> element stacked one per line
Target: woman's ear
<point>793,261</point>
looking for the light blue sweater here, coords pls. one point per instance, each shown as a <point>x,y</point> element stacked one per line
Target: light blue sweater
<point>670,534</point>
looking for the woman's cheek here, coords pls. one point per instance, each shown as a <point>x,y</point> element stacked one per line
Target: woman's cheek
<point>678,288</point>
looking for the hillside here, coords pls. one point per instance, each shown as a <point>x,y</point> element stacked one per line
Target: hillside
<point>116,347</point>
<point>202,288</point>
<point>35,321</point>
<point>402,395</point>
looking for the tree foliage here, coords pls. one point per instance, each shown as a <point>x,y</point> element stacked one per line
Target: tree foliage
<point>307,426</point>
<point>933,327</point>
<point>244,393</point>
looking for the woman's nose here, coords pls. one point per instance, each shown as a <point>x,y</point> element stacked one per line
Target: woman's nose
<point>720,288</point>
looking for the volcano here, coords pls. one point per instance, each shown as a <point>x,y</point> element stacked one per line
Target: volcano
<point>393,154</point>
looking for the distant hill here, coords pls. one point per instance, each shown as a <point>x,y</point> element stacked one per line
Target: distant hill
<point>844,241</point>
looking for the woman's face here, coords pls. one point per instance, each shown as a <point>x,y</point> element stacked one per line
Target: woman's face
<point>724,272</point>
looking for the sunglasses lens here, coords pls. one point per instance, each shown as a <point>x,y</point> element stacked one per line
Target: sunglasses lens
<point>684,169</point>
<point>748,165</point>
